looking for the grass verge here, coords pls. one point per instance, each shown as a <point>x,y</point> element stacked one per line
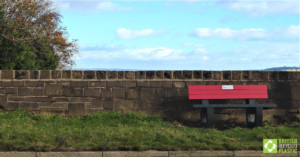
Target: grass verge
<point>20,130</point>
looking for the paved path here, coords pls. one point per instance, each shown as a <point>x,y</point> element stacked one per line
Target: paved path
<point>151,153</point>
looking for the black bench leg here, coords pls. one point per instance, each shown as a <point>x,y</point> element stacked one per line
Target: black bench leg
<point>250,117</point>
<point>258,116</point>
<point>210,117</point>
<point>203,115</point>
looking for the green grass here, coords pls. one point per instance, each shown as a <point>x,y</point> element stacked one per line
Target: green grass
<point>20,130</point>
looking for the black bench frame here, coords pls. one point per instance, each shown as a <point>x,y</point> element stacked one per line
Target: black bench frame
<point>207,111</point>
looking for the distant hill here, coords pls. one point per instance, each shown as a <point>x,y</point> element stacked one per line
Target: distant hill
<point>283,69</point>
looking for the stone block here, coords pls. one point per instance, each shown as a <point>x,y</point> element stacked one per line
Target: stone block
<point>172,92</point>
<point>84,154</point>
<point>197,74</point>
<point>52,90</point>
<point>23,91</point>
<point>45,74</point>
<point>114,84</point>
<point>133,93</point>
<point>156,84</point>
<point>76,74</point>
<point>2,90</point>
<point>29,106</point>
<point>121,75</point>
<point>92,92</point>
<point>101,74</point>
<point>212,153</point>
<point>273,76</point>
<point>129,74</point>
<point>147,93</point>
<point>236,75</point>
<point>150,74</point>
<point>97,84</point>
<point>178,84</point>
<point>15,98</point>
<point>97,103</point>
<point>66,74</point>
<point>89,75</point>
<point>125,104</point>
<point>56,74</point>
<point>118,92</point>
<point>140,75</point>
<point>61,99</point>
<point>39,99</point>
<point>129,84</point>
<point>187,74</point>
<point>108,104</point>
<point>159,93</point>
<point>244,153</point>
<point>183,92</point>
<point>143,84</point>
<point>60,105</point>
<point>18,154</point>
<point>21,74</point>
<point>12,106</point>
<point>294,76</point>
<point>2,101</point>
<point>79,84</point>
<point>45,104</point>
<point>106,93</point>
<point>37,91</point>
<point>246,75</point>
<point>7,74</point>
<point>177,75</point>
<point>283,75</point>
<point>226,75</point>
<point>112,74</point>
<point>76,109</point>
<point>167,84</point>
<point>168,75</point>
<point>34,84</point>
<point>51,154</point>
<point>67,91</point>
<point>207,75</point>
<point>159,74</point>
<point>11,90</point>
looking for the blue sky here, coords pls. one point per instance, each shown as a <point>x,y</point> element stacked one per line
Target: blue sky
<point>183,34</point>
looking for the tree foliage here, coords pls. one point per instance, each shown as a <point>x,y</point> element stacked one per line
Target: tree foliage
<point>31,36</point>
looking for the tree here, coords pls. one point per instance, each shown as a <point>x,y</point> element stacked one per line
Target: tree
<point>31,36</point>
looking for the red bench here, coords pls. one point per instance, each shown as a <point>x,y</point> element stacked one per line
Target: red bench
<point>248,92</point>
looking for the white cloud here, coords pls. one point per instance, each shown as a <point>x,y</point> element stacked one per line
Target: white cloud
<point>260,8</point>
<point>241,34</point>
<point>106,6</point>
<point>131,34</point>
<point>293,31</point>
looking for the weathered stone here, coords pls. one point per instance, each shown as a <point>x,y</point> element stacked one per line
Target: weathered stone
<point>105,93</point>
<point>79,84</point>
<point>146,93</point>
<point>2,90</point>
<point>2,101</point>
<point>246,75</point>
<point>187,74</point>
<point>172,92</point>
<point>89,75</point>
<point>45,104</point>
<point>97,84</point>
<point>108,104</point>
<point>159,92</point>
<point>11,90</point>
<point>101,74</point>
<point>167,84</point>
<point>52,90</point>
<point>66,74</point>
<point>178,75</point>
<point>118,92</point>
<point>24,91</point>
<point>133,93</point>
<point>56,74</point>
<point>197,74</point>
<point>97,103</point>
<point>18,154</point>
<point>125,104</point>
<point>12,106</point>
<point>156,84</point>
<point>76,74</point>
<point>236,75</point>
<point>45,74</point>
<point>129,84</point>
<point>179,84</point>
<point>150,74</point>
<point>7,74</point>
<point>61,99</point>
<point>114,84</point>
<point>39,99</point>
<point>37,91</point>
<point>34,84</point>
<point>21,74</point>
<point>121,75</point>
<point>76,109</point>
<point>226,75</point>
<point>143,84</point>
<point>140,75</point>
<point>60,105</point>
<point>129,74</point>
<point>92,92</point>
<point>29,106</point>
<point>84,154</point>
<point>168,75</point>
<point>112,75</point>
<point>72,91</point>
<point>135,154</point>
<point>273,76</point>
<point>51,154</point>
<point>207,75</point>
<point>211,153</point>
<point>183,92</point>
<point>159,74</point>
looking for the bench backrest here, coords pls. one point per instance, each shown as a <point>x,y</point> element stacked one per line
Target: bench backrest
<point>228,92</point>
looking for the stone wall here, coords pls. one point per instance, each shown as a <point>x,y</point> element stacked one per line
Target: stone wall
<point>162,93</point>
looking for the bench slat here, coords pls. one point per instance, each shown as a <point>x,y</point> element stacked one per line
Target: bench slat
<point>234,105</point>
<point>238,92</point>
